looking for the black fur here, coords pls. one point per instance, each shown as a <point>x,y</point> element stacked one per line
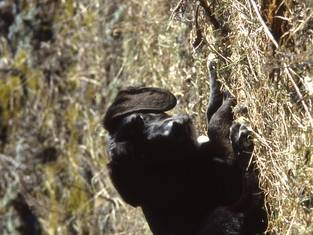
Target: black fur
<point>182,186</point>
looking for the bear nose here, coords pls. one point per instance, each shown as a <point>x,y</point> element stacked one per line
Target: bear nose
<point>172,128</point>
<point>177,126</point>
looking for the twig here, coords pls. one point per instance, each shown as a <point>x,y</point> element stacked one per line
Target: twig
<point>266,30</point>
<point>99,194</point>
<point>210,15</point>
<point>12,161</point>
<point>199,37</point>
<point>177,7</point>
<point>300,26</point>
<point>287,70</point>
<point>292,221</point>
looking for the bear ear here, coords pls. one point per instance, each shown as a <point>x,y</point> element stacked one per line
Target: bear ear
<point>139,99</point>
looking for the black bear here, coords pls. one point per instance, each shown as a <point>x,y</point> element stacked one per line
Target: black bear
<point>184,186</point>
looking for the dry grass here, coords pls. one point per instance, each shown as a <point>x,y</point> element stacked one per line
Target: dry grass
<point>100,46</point>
